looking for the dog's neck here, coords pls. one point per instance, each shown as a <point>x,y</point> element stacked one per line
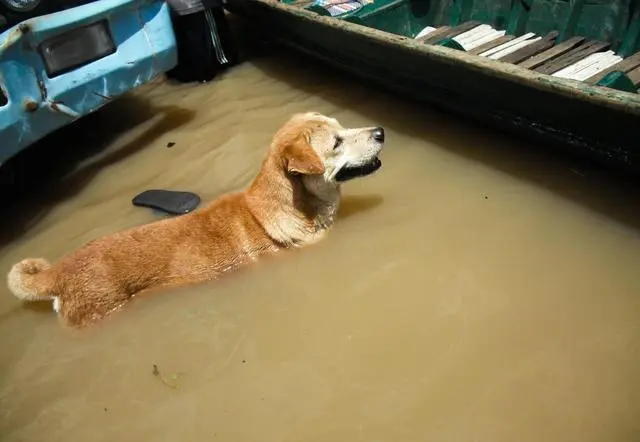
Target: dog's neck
<point>299,209</point>
<point>324,197</point>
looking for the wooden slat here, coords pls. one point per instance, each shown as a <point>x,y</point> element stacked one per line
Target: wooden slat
<point>625,65</point>
<point>572,56</point>
<point>448,33</point>
<point>534,48</point>
<point>552,53</point>
<point>433,35</point>
<point>491,44</point>
<point>634,76</point>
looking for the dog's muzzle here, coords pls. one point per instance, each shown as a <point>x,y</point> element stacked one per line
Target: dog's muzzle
<point>347,173</point>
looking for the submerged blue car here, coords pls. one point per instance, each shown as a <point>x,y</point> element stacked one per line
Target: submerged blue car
<point>57,67</point>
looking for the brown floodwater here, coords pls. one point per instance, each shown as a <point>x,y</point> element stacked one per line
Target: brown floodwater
<point>477,288</point>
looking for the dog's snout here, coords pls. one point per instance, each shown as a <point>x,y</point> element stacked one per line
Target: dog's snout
<point>378,134</point>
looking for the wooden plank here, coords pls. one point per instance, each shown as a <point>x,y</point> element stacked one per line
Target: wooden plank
<point>634,76</point>
<point>625,65</point>
<point>436,35</point>
<point>552,53</point>
<point>433,35</point>
<point>573,56</point>
<point>491,44</point>
<point>533,49</point>
<point>512,46</point>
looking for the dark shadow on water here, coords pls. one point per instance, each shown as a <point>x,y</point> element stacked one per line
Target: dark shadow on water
<point>354,204</point>
<point>59,166</point>
<point>611,194</point>
<point>38,306</point>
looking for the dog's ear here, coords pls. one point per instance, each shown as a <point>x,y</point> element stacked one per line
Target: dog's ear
<point>301,158</point>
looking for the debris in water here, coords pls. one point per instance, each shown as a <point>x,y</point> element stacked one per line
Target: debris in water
<point>171,144</point>
<point>577,172</point>
<point>171,383</point>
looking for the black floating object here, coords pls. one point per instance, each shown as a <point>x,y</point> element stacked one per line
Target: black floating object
<point>168,201</point>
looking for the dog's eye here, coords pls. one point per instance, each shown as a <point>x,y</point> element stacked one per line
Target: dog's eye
<point>337,143</point>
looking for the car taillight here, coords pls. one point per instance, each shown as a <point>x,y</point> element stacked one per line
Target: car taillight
<point>76,48</point>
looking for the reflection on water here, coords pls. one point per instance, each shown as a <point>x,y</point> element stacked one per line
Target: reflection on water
<point>476,288</point>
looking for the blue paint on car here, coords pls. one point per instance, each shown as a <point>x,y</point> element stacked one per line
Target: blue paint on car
<point>34,102</point>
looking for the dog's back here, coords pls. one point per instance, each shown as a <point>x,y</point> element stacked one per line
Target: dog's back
<point>92,281</point>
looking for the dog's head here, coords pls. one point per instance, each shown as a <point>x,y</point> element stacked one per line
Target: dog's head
<point>317,146</point>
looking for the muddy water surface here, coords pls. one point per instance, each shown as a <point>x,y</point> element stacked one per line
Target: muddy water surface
<point>475,289</point>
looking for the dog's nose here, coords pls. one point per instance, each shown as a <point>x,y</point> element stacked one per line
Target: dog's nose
<point>378,134</point>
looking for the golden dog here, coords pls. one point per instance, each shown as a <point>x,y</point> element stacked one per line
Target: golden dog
<point>291,203</point>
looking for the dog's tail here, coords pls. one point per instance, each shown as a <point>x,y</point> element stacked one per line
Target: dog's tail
<point>31,280</point>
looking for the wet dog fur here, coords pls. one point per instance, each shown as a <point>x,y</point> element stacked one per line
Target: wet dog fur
<point>292,202</point>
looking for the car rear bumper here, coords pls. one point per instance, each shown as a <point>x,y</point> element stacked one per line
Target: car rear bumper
<point>34,104</point>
